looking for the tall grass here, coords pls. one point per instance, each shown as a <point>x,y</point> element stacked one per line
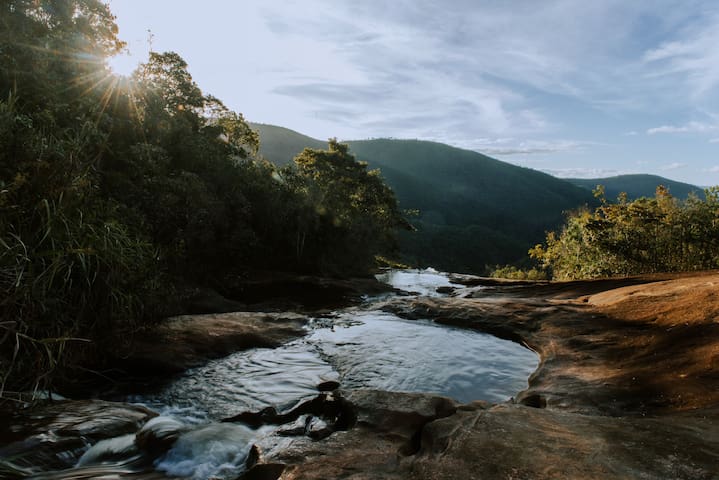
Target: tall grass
<point>70,274</point>
<point>64,286</point>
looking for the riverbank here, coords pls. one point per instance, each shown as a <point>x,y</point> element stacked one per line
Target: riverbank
<point>627,387</point>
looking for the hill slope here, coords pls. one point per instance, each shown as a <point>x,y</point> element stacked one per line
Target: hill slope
<point>475,211</point>
<point>635,186</point>
<point>280,145</point>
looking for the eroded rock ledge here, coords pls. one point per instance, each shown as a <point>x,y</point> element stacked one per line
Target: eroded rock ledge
<point>627,387</point>
<point>188,341</point>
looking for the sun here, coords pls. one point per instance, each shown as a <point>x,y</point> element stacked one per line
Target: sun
<point>123,64</point>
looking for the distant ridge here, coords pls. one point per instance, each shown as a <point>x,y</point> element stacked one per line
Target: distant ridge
<point>475,211</point>
<point>636,186</point>
<point>280,145</point>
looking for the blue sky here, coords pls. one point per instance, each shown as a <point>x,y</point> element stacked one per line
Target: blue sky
<point>573,88</point>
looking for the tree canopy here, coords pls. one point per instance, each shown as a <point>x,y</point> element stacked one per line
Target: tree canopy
<point>646,235</point>
<point>119,194</point>
<point>356,212</point>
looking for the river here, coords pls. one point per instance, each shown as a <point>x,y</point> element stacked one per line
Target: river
<point>358,348</point>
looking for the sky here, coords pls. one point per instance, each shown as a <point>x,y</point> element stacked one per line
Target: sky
<point>568,87</point>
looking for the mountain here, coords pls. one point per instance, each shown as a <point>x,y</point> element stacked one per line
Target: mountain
<point>280,145</point>
<point>474,211</point>
<point>635,186</point>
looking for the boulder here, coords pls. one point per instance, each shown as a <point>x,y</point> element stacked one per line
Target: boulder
<point>188,341</point>
<point>627,387</point>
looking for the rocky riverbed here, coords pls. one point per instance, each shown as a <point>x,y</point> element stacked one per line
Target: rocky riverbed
<point>627,387</point>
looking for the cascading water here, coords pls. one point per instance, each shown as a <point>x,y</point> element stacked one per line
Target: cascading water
<point>359,348</point>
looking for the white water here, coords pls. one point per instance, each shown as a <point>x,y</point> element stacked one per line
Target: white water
<point>420,282</point>
<point>359,348</point>
<point>216,450</point>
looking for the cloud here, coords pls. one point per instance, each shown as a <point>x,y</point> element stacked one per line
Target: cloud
<point>691,127</point>
<point>714,169</point>
<point>511,146</point>
<point>584,172</point>
<point>672,166</point>
<point>632,133</point>
<point>421,56</point>
<point>693,58</point>
<point>714,140</point>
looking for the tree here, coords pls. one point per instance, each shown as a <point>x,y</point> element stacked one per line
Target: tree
<point>659,234</point>
<point>70,270</point>
<point>356,215</point>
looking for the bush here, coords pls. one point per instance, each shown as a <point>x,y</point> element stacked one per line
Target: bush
<point>514,273</point>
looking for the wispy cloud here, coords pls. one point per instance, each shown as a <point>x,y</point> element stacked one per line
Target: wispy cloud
<point>423,56</point>
<point>512,146</point>
<point>693,57</point>
<point>714,169</point>
<point>691,127</point>
<point>584,172</point>
<point>672,166</point>
<point>537,73</point>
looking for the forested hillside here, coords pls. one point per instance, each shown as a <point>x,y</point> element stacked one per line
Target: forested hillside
<point>119,194</point>
<point>635,186</point>
<point>474,211</point>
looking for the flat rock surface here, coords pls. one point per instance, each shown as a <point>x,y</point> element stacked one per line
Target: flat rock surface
<point>627,387</point>
<point>187,341</point>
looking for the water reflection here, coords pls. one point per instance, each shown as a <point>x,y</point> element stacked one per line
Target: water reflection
<point>420,282</point>
<point>362,349</point>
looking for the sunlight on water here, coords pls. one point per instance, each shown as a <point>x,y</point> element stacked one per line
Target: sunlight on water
<point>378,350</point>
<point>364,349</point>
<point>358,348</point>
<point>421,282</point>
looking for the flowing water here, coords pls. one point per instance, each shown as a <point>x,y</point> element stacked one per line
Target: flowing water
<point>359,348</point>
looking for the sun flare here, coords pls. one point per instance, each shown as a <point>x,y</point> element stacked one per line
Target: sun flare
<point>123,64</point>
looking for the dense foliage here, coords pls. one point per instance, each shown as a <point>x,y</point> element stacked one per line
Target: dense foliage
<point>354,214</point>
<point>659,234</point>
<point>472,211</point>
<point>115,193</point>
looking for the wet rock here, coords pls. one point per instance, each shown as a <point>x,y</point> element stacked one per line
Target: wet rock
<point>627,387</point>
<point>446,290</point>
<point>328,386</point>
<point>385,431</point>
<point>119,449</point>
<point>188,341</point>
<point>400,413</point>
<point>159,434</point>
<point>209,301</point>
<point>54,436</point>
<point>514,441</point>
<point>278,291</point>
<point>294,429</point>
<point>317,429</point>
<point>266,471</point>
<point>266,416</point>
<point>331,409</point>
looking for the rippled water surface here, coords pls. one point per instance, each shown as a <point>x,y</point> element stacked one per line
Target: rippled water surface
<point>360,349</point>
<point>378,350</point>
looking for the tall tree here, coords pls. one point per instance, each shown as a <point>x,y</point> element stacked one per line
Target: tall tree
<point>357,213</point>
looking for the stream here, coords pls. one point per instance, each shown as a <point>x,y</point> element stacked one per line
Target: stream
<point>359,348</point>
